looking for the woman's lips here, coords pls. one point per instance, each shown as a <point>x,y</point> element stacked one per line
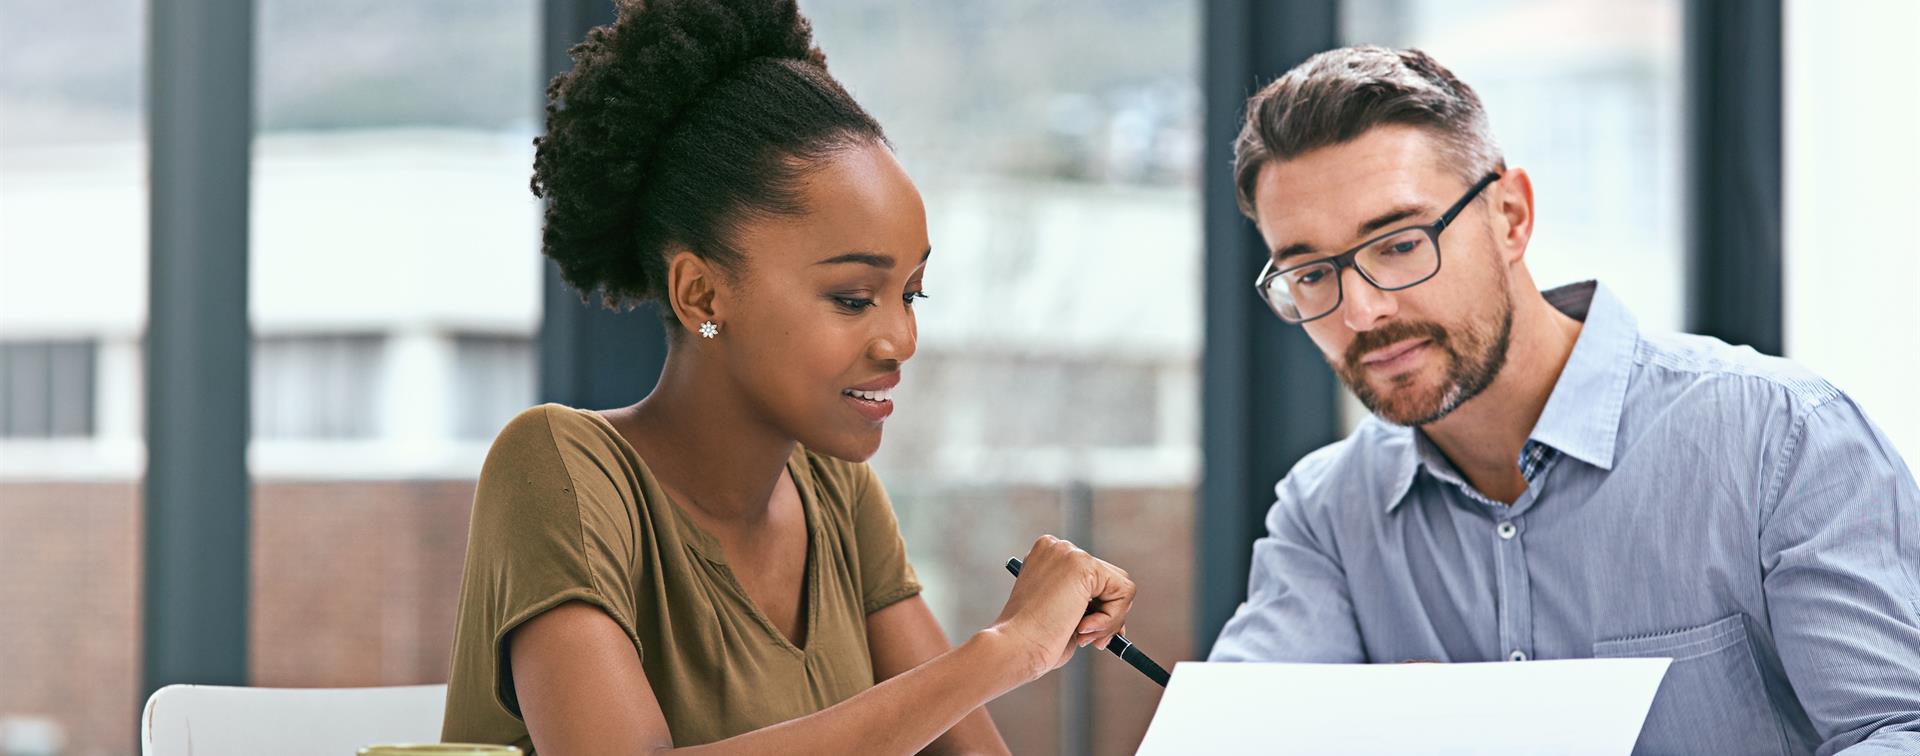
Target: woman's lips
<point>873,399</point>
<point>874,409</point>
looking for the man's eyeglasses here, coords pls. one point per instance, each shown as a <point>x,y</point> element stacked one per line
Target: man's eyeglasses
<point>1392,261</point>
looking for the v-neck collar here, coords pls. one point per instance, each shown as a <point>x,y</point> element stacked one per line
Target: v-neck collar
<point>707,548</point>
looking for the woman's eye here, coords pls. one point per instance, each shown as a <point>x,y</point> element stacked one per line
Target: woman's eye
<point>913,295</point>
<point>853,304</point>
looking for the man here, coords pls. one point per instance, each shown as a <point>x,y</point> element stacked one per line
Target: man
<point>1541,479</point>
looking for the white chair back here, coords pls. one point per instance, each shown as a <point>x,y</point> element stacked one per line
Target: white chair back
<point>213,720</point>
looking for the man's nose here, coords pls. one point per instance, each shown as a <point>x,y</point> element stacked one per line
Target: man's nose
<point>1364,307</point>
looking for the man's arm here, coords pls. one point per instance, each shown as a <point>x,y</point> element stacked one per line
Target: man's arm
<point>1840,549</point>
<point>1297,607</point>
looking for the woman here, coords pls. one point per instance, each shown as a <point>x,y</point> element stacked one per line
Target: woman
<point>713,568</point>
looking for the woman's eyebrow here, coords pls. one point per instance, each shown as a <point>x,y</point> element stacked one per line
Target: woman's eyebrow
<point>872,259</point>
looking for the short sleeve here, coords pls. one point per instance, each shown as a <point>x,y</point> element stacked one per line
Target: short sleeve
<point>886,577</point>
<point>538,538</point>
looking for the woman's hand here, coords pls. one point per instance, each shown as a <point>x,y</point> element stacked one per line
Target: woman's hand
<point>1063,600</point>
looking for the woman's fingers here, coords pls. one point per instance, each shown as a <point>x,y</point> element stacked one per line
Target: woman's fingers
<point>1112,602</point>
<point>1113,598</point>
<point>1066,599</point>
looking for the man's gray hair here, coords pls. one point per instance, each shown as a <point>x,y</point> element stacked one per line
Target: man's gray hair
<point>1337,95</point>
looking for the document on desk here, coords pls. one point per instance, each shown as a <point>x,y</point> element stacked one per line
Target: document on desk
<point>1573,707</point>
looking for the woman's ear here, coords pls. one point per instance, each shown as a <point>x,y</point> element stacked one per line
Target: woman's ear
<point>694,290</point>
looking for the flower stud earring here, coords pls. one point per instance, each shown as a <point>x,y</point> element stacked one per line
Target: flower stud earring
<point>709,330</point>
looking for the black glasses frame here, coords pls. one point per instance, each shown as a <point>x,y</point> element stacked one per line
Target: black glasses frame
<point>1344,260</point>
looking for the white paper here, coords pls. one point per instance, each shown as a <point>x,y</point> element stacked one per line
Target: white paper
<point>1573,707</point>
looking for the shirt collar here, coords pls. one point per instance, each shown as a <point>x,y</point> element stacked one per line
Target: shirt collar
<point>1582,415</point>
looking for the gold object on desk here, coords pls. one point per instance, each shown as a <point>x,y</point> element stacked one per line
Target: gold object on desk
<point>440,749</point>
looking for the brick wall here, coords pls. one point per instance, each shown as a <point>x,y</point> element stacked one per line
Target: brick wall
<point>355,585</point>
<point>70,554</point>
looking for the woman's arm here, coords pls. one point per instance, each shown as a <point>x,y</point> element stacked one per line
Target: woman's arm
<point>582,689</point>
<point>905,635</point>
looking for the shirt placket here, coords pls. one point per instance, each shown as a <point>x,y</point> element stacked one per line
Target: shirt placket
<point>1514,593</point>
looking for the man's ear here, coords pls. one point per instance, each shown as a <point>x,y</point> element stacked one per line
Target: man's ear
<point>1512,209</point>
<point>694,290</point>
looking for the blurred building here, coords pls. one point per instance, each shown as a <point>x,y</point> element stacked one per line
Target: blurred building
<point>396,297</point>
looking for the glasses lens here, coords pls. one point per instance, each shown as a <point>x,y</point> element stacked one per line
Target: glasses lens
<point>1399,260</point>
<point>1306,292</point>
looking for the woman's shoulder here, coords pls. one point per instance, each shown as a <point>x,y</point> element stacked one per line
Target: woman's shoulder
<point>554,430</point>
<point>560,471</point>
<point>554,442</point>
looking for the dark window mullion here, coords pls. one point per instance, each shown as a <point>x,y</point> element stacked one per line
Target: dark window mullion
<point>1248,440</point>
<point>1734,186</point>
<point>195,579</point>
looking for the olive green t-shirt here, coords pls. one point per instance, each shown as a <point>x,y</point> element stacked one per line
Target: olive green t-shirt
<point>567,511</point>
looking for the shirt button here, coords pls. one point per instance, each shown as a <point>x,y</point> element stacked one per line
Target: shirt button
<point>1506,531</point>
<point>1517,655</point>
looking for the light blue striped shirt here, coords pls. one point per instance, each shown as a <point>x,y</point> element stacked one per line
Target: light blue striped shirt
<point>1689,499</point>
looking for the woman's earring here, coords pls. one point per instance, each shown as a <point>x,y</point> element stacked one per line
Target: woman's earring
<point>709,330</point>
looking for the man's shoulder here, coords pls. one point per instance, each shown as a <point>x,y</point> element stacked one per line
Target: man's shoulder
<point>1702,372</point>
<point>1371,463</point>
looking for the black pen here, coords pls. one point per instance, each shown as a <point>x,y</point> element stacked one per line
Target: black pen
<point>1118,644</point>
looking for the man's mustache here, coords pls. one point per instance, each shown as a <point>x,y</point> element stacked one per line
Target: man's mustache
<point>1390,334</point>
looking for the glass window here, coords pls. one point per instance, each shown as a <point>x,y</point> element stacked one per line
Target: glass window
<point>493,376</point>
<point>316,386</point>
<point>395,247</point>
<point>1851,158</point>
<point>1055,389</point>
<point>46,389</point>
<point>73,301</point>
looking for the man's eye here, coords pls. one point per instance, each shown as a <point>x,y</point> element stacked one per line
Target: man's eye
<point>1309,278</point>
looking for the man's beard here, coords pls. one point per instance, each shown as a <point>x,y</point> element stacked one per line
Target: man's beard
<point>1475,354</point>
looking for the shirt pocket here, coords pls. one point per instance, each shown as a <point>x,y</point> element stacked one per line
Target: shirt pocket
<point>1712,699</point>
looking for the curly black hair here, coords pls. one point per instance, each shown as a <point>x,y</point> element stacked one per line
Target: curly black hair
<point>677,121</point>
